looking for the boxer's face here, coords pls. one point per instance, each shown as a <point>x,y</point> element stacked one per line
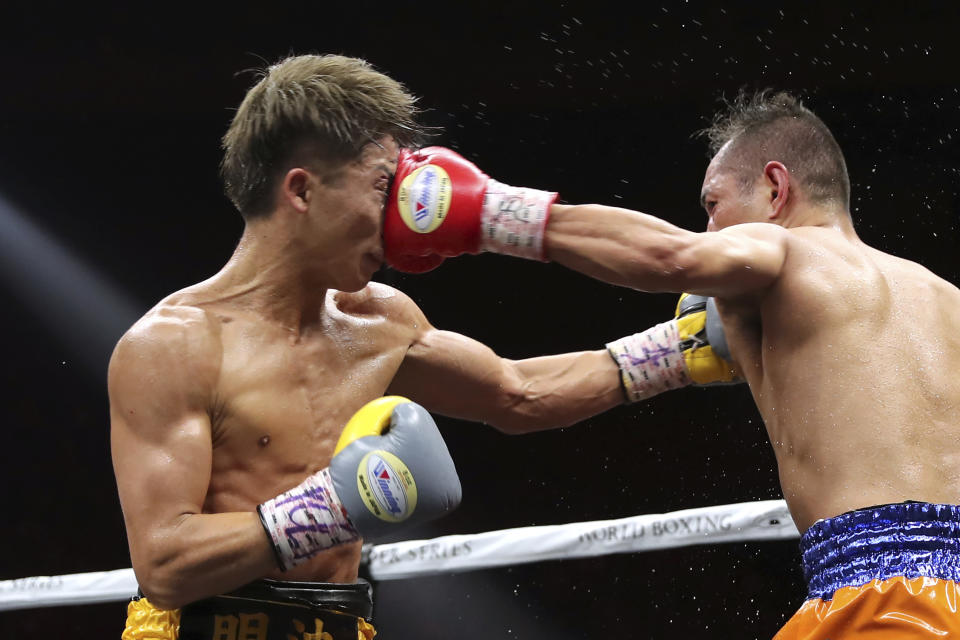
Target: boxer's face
<point>722,196</point>
<point>349,214</point>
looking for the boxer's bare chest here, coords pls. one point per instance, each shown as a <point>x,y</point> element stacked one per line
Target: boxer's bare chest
<point>283,397</point>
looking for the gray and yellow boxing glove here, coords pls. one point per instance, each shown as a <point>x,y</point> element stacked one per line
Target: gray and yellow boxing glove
<point>390,468</point>
<point>690,349</point>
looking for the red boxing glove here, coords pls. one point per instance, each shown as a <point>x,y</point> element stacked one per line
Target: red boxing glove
<point>441,206</point>
<point>415,264</point>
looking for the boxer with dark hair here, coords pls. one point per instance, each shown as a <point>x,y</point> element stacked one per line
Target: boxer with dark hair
<point>850,353</point>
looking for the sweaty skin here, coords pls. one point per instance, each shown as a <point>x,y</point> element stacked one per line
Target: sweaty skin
<point>850,353</point>
<point>234,390</point>
<point>851,359</point>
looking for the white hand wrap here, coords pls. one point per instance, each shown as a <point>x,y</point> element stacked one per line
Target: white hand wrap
<point>650,362</point>
<point>514,220</point>
<point>306,520</point>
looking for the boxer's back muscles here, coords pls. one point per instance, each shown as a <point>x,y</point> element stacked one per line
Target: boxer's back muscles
<point>851,356</point>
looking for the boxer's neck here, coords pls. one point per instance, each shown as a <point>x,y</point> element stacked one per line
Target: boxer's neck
<point>827,216</point>
<point>279,275</point>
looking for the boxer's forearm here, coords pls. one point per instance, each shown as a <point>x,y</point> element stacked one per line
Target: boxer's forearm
<point>522,396</point>
<point>619,246</point>
<point>560,390</point>
<point>456,376</point>
<point>200,556</point>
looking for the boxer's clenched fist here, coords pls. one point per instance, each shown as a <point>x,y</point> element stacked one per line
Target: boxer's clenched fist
<point>391,467</point>
<point>441,206</point>
<point>690,349</point>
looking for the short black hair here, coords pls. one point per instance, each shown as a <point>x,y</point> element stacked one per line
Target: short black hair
<point>765,126</point>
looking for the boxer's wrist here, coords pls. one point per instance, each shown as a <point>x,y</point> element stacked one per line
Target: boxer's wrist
<point>306,520</point>
<point>514,220</point>
<point>650,362</point>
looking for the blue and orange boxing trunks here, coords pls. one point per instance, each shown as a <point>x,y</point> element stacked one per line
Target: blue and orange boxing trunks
<point>264,610</point>
<point>889,572</point>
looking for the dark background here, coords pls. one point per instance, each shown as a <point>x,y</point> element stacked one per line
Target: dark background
<point>110,119</point>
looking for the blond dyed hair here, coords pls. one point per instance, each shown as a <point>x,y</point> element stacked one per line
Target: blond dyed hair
<point>309,109</point>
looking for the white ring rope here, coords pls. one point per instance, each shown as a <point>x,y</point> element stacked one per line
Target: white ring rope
<point>763,520</point>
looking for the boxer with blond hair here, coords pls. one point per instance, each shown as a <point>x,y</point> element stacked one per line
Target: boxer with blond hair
<point>249,460</point>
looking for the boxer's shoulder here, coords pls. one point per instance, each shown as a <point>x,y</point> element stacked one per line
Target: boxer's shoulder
<point>767,244</point>
<point>175,320</point>
<point>374,297</point>
<point>377,299</point>
<point>172,341</point>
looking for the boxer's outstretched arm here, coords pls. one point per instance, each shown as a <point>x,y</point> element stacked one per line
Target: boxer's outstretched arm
<point>161,381</point>
<point>640,251</point>
<point>622,247</point>
<point>457,376</point>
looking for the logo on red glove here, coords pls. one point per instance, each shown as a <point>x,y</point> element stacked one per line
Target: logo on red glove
<point>424,198</point>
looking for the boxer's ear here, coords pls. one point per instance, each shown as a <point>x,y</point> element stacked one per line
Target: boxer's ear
<point>778,183</point>
<point>296,189</point>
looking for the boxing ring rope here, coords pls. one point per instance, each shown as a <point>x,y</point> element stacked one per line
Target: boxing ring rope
<point>741,522</point>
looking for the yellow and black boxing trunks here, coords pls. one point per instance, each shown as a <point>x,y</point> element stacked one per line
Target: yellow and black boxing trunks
<point>264,610</point>
<point>890,572</point>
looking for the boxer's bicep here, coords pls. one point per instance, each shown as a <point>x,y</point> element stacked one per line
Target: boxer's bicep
<point>455,376</point>
<point>640,251</point>
<point>619,246</point>
<point>160,477</point>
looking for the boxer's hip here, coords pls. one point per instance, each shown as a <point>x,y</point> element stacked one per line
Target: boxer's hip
<point>889,571</point>
<point>908,539</point>
<point>264,610</point>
